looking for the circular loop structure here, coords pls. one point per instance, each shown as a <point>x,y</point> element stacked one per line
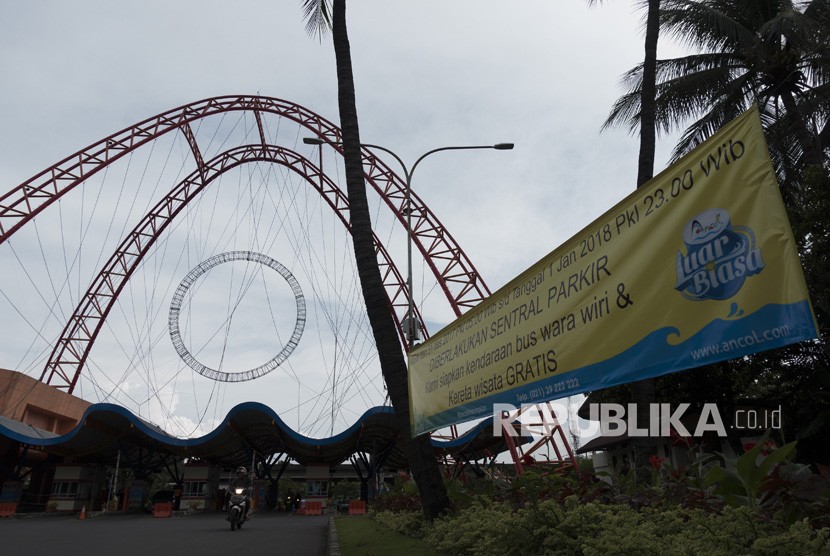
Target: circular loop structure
<point>176,304</point>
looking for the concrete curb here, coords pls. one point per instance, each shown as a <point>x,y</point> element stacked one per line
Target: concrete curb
<point>334,541</point>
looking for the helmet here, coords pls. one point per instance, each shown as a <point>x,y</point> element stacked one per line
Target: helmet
<point>241,470</point>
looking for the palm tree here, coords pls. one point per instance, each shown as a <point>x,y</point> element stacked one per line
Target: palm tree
<point>772,52</point>
<point>646,94</point>
<point>644,390</point>
<point>320,15</point>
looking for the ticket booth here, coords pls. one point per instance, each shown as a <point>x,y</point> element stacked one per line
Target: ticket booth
<point>318,481</point>
<point>73,487</point>
<point>200,486</point>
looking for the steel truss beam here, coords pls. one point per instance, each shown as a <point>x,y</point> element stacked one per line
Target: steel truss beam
<point>72,349</point>
<point>454,271</point>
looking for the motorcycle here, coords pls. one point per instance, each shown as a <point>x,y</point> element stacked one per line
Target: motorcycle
<point>237,504</point>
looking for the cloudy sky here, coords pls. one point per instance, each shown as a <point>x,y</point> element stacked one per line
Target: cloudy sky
<point>540,74</point>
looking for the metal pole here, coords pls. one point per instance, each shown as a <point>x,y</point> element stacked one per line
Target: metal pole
<point>114,480</point>
<point>411,330</point>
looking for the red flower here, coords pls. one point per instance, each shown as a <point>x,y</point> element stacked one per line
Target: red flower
<point>656,461</point>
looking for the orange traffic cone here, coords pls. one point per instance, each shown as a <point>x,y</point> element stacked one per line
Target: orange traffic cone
<point>83,513</point>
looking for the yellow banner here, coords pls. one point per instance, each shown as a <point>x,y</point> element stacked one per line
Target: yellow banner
<point>698,265</point>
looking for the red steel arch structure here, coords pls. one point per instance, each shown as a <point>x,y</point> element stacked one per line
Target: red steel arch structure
<point>460,281</point>
<point>72,348</point>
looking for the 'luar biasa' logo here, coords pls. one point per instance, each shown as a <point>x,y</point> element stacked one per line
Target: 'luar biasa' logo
<point>718,258</point>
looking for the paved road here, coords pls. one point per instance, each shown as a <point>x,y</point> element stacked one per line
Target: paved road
<point>268,533</point>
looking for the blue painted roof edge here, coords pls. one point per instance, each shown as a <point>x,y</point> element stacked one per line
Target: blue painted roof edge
<point>155,433</point>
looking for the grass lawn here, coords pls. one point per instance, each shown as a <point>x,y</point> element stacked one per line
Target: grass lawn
<point>362,536</point>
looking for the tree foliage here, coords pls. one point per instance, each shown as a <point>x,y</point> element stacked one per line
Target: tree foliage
<point>754,504</point>
<point>775,53</point>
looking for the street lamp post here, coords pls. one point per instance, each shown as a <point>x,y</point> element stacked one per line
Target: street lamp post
<point>411,330</point>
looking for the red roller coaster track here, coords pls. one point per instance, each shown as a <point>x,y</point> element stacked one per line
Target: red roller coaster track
<point>72,348</point>
<point>453,270</point>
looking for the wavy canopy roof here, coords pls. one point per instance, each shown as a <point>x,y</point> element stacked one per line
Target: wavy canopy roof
<point>106,429</point>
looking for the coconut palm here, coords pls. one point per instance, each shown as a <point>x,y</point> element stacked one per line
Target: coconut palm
<point>320,16</point>
<point>646,93</point>
<point>772,52</point>
<point>645,390</point>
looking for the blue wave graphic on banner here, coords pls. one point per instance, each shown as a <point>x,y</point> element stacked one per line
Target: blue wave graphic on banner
<point>770,327</point>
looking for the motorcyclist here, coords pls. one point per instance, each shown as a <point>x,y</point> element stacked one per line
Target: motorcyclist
<point>242,480</point>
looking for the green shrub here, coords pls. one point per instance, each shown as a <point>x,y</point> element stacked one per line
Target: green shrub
<point>401,497</point>
<point>397,502</point>
<point>572,527</point>
<point>754,504</point>
<point>480,529</point>
<point>798,539</point>
<point>411,523</point>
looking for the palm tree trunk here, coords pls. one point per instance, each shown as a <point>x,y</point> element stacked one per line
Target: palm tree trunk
<point>419,452</point>
<point>644,390</point>
<point>648,96</point>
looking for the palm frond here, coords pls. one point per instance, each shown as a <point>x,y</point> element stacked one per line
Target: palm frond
<point>626,111</point>
<point>704,25</point>
<point>687,88</point>
<point>818,10</point>
<point>785,155</point>
<point>725,109</point>
<point>796,29</point>
<point>772,52</point>
<point>317,17</point>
